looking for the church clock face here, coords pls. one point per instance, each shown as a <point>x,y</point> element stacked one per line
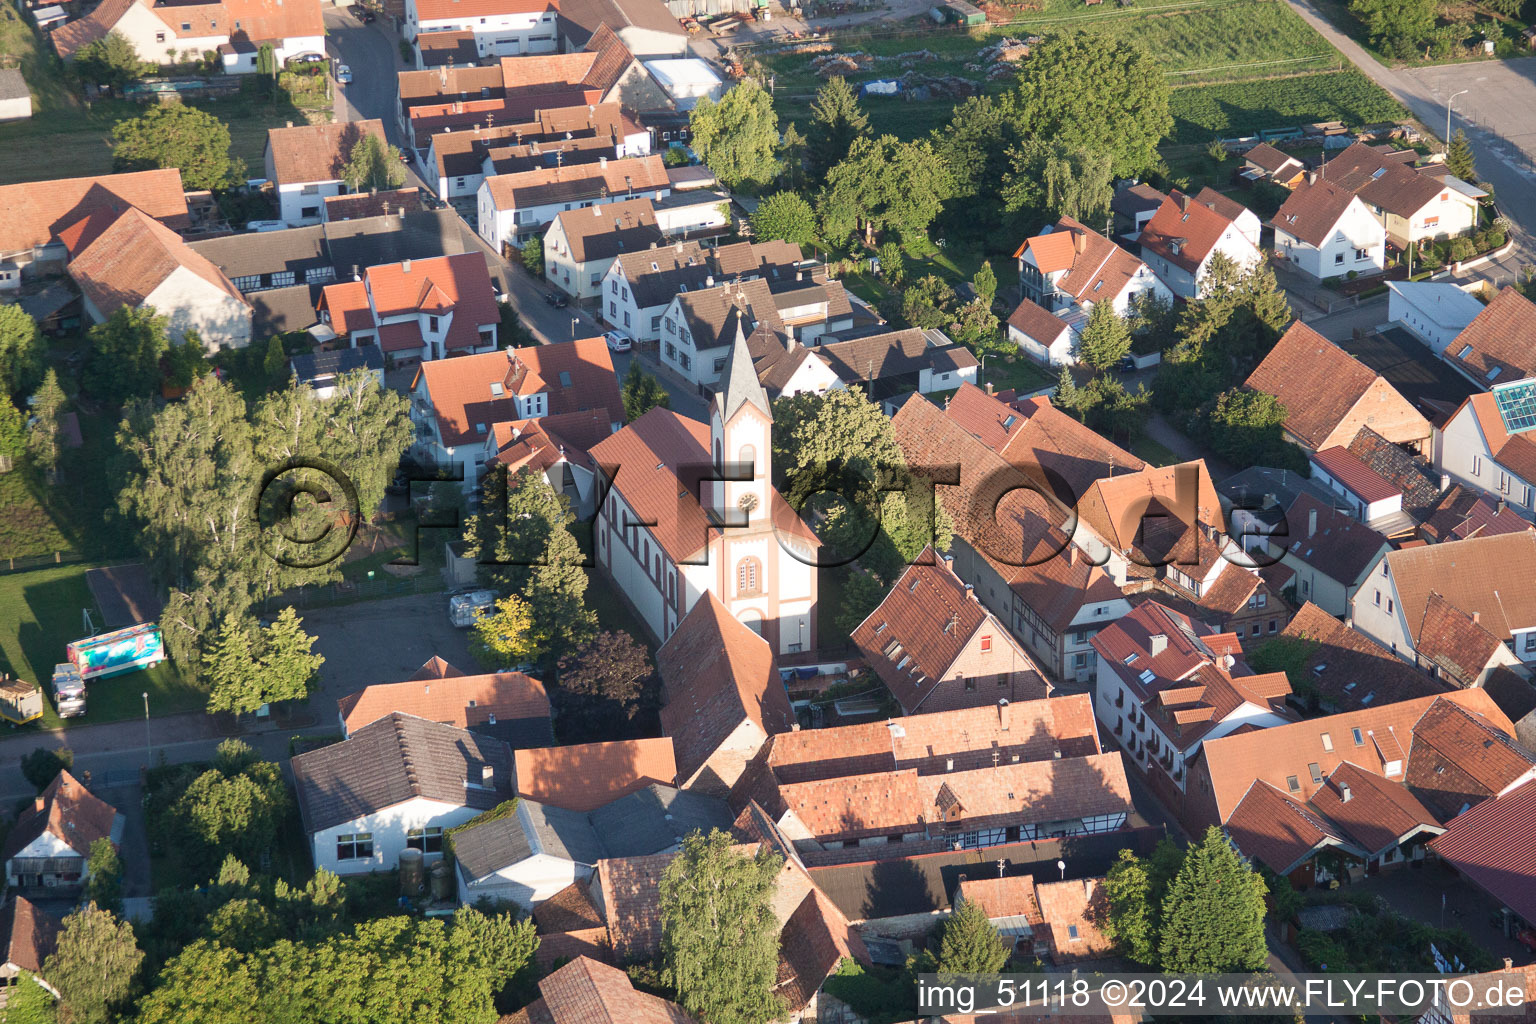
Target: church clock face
<point>747,503</point>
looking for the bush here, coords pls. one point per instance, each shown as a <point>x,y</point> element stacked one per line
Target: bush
<point>1462,248</point>
<point>40,766</point>
<point>407,52</point>
<point>675,156</point>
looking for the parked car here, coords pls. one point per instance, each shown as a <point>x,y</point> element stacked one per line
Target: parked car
<point>343,74</point>
<point>362,13</point>
<point>307,58</point>
<point>557,299</point>
<point>618,342</point>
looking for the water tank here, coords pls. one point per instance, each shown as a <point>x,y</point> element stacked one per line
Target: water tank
<point>413,876</point>
<point>442,881</point>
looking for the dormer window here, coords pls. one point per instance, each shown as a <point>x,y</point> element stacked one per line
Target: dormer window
<point>497,390</point>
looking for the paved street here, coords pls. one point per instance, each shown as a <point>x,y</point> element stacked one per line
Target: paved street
<point>1499,101</point>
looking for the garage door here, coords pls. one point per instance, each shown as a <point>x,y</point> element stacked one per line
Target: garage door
<point>506,47</point>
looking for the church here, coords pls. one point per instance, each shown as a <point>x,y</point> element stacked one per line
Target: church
<point>691,509</point>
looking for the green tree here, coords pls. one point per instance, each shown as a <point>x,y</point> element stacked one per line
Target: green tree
<point>42,765</point>
<point>506,636</point>
<point>602,683</point>
<point>1050,179</point>
<point>234,675</point>
<point>1131,920</point>
<point>125,355</point>
<point>266,61</point>
<point>975,325</point>
<point>927,302</point>
<point>178,136</point>
<point>111,61</point>
<point>13,434</point>
<point>275,363</point>
<point>738,137</point>
<point>104,876</point>
<point>93,966</point>
<point>1112,410</point>
<point>557,593</point>
<point>373,165</point>
<point>532,256</point>
<point>21,351</point>
<point>862,594</point>
<point>642,393</point>
<point>792,156</point>
<point>1459,159</point>
<point>985,283</point>
<point>185,362</point>
<point>288,665</point>
<point>1067,395</point>
<point>1105,339</point>
<point>44,442</point>
<point>884,184</point>
<point>1247,428</point>
<point>836,121</point>
<point>969,943</point>
<point>1399,25</point>
<point>975,149</point>
<point>1213,914</point>
<point>784,215</point>
<point>1092,94</point>
<point>29,1002</point>
<point>719,938</point>
<point>893,263</point>
<point>234,807</point>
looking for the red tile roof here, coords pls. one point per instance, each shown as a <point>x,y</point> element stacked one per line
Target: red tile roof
<point>66,810</point>
<point>585,776</point>
<point>1078,904</point>
<point>1455,642</point>
<point>1183,231</point>
<point>1462,512</point>
<point>1036,322</point>
<point>133,257</point>
<point>1385,183</point>
<point>29,933</point>
<point>1347,667</point>
<point>1280,831</point>
<point>1458,758</point>
<point>1502,337</point>
<point>815,939</point>
<point>921,628</point>
<point>1010,896</point>
<point>1361,480</point>
<point>1096,267</point>
<point>37,211</point>
<point>318,152</point>
<point>570,183</point>
<point>441,10</point>
<point>717,673</point>
<point>1491,845</point>
<point>1472,575</point>
<point>72,35</point>
<point>1116,507</point>
<point>585,991</point>
<point>1269,158</point>
<point>458,700</point>
<point>1342,547</point>
<point>1312,211</point>
<point>631,903</point>
<point>1379,814</point>
<point>461,394</point>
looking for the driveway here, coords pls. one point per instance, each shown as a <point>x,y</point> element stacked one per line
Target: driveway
<point>1495,112</point>
<point>380,642</point>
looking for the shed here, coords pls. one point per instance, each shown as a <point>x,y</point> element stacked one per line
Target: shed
<point>966,14</point>
<point>686,80</point>
<point>15,97</point>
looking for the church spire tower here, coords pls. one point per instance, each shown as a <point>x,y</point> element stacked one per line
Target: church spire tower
<point>740,428</point>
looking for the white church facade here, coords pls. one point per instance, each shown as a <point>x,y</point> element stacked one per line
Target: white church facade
<point>672,528</point>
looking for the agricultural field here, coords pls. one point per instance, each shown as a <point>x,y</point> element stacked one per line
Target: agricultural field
<point>1234,65</point>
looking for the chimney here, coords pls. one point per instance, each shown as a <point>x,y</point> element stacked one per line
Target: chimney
<point>1157,643</point>
<point>290,124</point>
<point>1311,177</point>
<point>1477,617</point>
<point>991,388</point>
<point>1312,522</point>
<point>1345,795</point>
<point>1004,716</point>
<point>1508,963</point>
<point>37,804</point>
<point>1079,240</point>
<point>1071,554</point>
<point>602,162</point>
<point>1184,202</point>
<point>405,266</point>
<point>1270,501</point>
<point>949,563</point>
<point>970,592</point>
<point>487,775</point>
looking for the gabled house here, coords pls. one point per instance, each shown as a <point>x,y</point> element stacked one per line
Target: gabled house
<point>1456,647</point>
<point>1413,206</point>
<point>515,207</point>
<point>322,369</point>
<point>1072,915</point>
<point>665,536</point>
<point>360,205</point>
<point>308,163</point>
<point>787,368</point>
<point>1182,238</point>
<point>28,936</point>
<point>1266,163</point>
<point>1464,512</point>
<point>48,848</point>
<point>558,446</point>
<point>1499,345</point>
<point>509,706</point>
<point>527,852</point>
<point>47,221</point>
<point>1330,552</point>
<point>1370,787</point>
<point>398,783</point>
<point>1325,231</point>
<point>1329,395</point>
<point>417,310</point>
<point>584,987</point>
<point>1247,222</point>
<point>458,156</point>
<point>585,776</point>
<point>647,28</point>
<point>701,327</point>
<point>1156,522</point>
<point>235,29</point>
<point>1434,311</point>
<point>1042,335</point>
<point>1487,444</point>
<point>1476,577</point>
<point>1370,497</point>
<point>639,286</point>
<point>1345,670</point>
<point>936,647</point>
<point>457,403</point>
<point>721,696</point>
<point>580,246</point>
<point>895,363</point>
<point>1132,206</point>
<point>140,263</point>
<point>501,28</point>
<point>1067,269</point>
<point>1166,685</point>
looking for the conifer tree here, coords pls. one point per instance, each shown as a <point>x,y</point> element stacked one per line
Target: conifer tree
<point>1459,159</point>
<point>971,944</point>
<point>836,120</point>
<point>1213,914</point>
<point>233,672</point>
<point>47,405</point>
<point>288,666</point>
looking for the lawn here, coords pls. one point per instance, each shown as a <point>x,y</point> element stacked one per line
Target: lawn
<point>40,613</point>
<point>76,135</point>
<point>1022,375</point>
<point>1201,113</point>
<point>1153,452</point>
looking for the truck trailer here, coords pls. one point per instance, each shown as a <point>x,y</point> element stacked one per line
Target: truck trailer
<point>122,650</point>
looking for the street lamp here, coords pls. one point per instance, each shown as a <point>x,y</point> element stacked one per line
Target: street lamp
<point>574,322</point>
<point>147,764</point>
<point>1448,116</point>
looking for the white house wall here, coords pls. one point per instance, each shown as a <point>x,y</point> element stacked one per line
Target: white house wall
<point>389,827</point>
<point>1356,229</point>
<point>1376,612</point>
<point>526,883</point>
<point>192,303</point>
<point>1461,452</point>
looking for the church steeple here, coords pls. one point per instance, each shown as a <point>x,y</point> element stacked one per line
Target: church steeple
<point>738,380</point>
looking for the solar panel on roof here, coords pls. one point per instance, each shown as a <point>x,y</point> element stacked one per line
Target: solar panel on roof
<point>1516,402</point>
